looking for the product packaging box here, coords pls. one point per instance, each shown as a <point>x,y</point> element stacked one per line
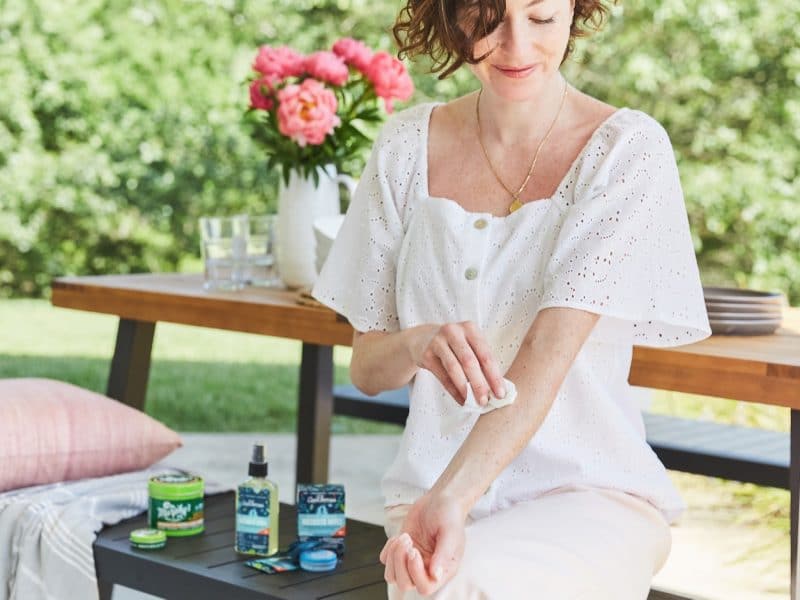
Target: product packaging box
<point>320,515</point>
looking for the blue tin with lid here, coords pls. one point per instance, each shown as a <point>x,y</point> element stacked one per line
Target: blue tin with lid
<point>318,560</point>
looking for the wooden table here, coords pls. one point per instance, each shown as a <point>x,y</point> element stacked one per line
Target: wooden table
<point>762,369</point>
<point>205,567</point>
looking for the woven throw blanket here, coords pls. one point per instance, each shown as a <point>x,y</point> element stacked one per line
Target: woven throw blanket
<point>47,532</point>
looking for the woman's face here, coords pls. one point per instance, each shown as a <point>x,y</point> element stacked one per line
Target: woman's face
<point>526,49</point>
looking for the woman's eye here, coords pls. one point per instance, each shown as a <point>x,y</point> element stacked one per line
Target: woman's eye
<point>543,21</point>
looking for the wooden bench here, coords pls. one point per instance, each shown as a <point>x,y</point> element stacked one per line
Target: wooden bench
<point>701,447</point>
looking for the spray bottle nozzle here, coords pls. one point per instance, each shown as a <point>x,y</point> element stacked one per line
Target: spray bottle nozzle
<point>259,450</point>
<point>258,461</point>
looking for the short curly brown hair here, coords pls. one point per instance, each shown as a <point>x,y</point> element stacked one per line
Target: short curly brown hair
<point>425,27</point>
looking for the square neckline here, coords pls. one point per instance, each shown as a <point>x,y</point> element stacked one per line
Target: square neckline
<point>543,201</point>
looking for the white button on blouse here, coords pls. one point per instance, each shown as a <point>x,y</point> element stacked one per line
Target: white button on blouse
<point>613,239</point>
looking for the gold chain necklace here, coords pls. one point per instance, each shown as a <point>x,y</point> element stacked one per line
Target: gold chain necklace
<point>516,202</point>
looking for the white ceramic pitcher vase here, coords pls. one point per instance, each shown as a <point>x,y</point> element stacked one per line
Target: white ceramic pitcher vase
<point>299,205</point>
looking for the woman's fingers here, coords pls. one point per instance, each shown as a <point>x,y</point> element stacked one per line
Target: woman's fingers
<point>419,576</point>
<point>485,359</point>
<point>407,569</point>
<point>399,556</point>
<point>472,369</point>
<point>459,357</point>
<point>444,352</point>
<point>388,571</point>
<point>449,369</point>
<point>438,370</point>
<point>447,555</point>
<point>385,549</point>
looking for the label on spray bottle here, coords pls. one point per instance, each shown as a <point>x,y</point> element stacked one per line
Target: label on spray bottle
<point>252,521</point>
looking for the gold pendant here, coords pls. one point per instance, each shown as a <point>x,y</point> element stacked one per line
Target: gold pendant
<point>515,205</point>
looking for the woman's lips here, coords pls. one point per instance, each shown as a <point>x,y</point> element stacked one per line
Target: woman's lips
<point>516,73</point>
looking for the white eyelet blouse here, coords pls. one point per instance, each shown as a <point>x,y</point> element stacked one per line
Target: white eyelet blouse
<point>614,240</point>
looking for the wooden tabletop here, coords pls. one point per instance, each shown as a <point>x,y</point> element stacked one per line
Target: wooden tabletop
<point>764,369</point>
<point>205,566</point>
<point>179,298</point>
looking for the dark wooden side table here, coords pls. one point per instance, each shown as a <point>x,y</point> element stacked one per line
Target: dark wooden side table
<point>206,567</point>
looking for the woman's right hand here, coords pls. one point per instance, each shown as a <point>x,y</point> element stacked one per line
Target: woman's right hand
<point>428,549</point>
<point>458,355</point>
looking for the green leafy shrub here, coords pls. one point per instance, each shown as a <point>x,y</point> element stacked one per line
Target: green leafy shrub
<point>121,123</point>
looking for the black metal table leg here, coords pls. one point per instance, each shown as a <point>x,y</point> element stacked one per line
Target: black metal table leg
<point>130,367</point>
<point>104,589</point>
<point>794,487</point>
<point>314,412</point>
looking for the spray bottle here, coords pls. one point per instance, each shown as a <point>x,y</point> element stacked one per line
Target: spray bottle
<point>257,509</point>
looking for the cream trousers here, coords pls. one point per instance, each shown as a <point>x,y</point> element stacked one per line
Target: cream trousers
<point>577,544</point>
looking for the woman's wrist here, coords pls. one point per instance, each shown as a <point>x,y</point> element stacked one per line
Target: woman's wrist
<point>445,493</point>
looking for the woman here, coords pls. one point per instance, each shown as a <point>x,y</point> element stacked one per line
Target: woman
<point>514,244</point>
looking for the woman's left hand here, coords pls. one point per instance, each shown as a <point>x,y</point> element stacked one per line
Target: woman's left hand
<point>426,553</point>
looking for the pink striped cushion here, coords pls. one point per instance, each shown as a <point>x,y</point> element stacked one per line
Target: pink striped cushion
<point>52,431</point>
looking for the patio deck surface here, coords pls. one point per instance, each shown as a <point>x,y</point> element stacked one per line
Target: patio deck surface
<point>709,558</point>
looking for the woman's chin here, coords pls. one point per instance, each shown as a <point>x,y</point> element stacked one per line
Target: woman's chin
<point>518,93</point>
<point>519,89</point>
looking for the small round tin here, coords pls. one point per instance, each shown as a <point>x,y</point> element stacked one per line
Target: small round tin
<point>318,560</point>
<point>148,539</point>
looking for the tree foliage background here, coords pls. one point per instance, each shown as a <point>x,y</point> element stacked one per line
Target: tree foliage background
<point>121,122</point>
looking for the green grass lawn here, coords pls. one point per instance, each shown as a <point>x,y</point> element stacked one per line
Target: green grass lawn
<point>210,380</point>
<point>200,379</point>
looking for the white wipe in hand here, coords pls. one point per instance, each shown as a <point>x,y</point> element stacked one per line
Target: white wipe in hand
<point>454,419</point>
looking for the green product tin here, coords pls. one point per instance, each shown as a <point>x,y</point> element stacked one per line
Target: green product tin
<point>176,504</point>
<point>148,539</point>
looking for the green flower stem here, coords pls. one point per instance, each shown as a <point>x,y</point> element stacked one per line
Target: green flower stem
<point>351,113</point>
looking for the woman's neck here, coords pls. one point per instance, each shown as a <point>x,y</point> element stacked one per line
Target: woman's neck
<point>511,124</point>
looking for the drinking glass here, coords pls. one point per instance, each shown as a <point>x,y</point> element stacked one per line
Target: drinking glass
<point>262,268</point>
<point>224,249</point>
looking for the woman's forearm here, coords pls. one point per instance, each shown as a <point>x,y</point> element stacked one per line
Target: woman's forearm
<point>538,370</point>
<point>386,361</point>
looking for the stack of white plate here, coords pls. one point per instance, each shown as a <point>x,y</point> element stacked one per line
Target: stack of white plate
<point>743,312</point>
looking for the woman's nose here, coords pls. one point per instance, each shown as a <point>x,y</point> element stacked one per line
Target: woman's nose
<point>515,36</point>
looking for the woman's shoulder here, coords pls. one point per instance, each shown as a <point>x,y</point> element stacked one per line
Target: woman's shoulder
<point>631,130</point>
<point>617,144</point>
<point>620,135</point>
<point>411,114</point>
<point>401,138</point>
<point>611,123</point>
<point>408,123</point>
<point>398,155</point>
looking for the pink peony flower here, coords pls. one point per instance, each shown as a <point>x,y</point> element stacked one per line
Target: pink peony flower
<point>278,63</point>
<point>390,78</point>
<point>354,53</point>
<point>327,66</point>
<point>307,112</point>
<point>258,100</point>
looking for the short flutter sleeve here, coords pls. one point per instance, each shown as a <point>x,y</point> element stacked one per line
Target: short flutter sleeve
<point>624,249</point>
<point>358,277</point>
